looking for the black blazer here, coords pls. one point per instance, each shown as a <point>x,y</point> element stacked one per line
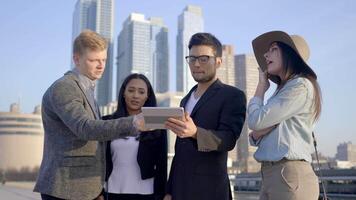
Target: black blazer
<point>151,158</point>
<point>199,170</point>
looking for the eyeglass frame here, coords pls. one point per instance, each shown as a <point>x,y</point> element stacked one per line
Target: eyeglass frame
<point>198,58</point>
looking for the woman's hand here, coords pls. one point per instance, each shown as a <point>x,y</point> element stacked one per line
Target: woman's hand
<point>263,79</point>
<point>263,84</point>
<point>260,133</point>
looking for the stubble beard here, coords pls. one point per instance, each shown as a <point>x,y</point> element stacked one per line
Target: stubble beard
<point>205,79</point>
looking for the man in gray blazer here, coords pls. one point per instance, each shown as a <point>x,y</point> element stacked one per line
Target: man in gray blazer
<point>73,165</point>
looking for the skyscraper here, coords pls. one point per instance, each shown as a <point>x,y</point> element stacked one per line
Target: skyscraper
<point>143,48</point>
<point>346,152</point>
<point>226,72</point>
<point>246,75</point>
<point>189,22</point>
<point>160,55</point>
<point>97,15</point>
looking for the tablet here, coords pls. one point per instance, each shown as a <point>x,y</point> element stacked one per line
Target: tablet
<point>155,117</point>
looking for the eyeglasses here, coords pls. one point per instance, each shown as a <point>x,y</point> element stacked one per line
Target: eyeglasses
<point>203,59</point>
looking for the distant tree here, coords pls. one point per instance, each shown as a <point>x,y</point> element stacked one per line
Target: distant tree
<point>23,174</point>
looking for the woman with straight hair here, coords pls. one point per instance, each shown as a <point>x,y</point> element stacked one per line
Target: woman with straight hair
<point>136,166</point>
<point>282,127</point>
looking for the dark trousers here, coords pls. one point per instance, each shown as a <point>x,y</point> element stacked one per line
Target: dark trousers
<point>47,197</point>
<point>112,196</point>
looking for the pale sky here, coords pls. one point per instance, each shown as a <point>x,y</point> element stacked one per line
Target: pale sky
<point>35,40</point>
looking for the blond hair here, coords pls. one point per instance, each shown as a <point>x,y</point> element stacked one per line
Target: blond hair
<point>91,40</point>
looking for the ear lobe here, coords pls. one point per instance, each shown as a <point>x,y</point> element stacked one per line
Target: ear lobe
<point>218,62</point>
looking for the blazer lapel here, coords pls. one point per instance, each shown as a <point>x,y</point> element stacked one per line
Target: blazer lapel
<point>210,92</point>
<point>92,107</point>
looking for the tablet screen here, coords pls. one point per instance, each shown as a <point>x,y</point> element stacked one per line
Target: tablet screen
<point>155,117</point>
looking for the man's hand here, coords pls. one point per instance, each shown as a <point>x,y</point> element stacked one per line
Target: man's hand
<point>167,197</point>
<point>182,128</point>
<point>139,122</point>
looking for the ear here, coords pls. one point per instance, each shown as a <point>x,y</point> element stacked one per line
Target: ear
<point>76,58</point>
<point>218,62</point>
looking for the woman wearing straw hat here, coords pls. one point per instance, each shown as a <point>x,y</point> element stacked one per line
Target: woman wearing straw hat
<point>282,128</point>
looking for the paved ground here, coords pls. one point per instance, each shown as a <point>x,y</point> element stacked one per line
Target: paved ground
<point>18,191</point>
<point>23,191</point>
<point>246,196</point>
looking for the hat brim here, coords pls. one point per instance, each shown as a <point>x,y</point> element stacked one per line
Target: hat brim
<point>262,43</point>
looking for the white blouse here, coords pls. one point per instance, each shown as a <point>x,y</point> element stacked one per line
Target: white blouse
<point>125,177</point>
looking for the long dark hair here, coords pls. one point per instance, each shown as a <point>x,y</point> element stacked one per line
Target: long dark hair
<point>295,66</point>
<point>151,101</point>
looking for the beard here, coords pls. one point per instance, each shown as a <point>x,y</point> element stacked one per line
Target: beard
<point>206,78</point>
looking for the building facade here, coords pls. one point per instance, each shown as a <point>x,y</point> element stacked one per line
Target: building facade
<point>143,48</point>
<point>346,152</point>
<point>21,139</point>
<point>226,72</point>
<point>246,79</point>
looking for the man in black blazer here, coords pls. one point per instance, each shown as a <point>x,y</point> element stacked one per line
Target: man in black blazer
<point>199,170</point>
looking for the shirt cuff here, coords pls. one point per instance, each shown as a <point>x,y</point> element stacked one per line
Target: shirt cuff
<point>207,142</point>
<point>255,103</point>
<point>134,130</point>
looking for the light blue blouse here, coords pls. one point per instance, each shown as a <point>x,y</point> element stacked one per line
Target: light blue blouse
<point>291,109</point>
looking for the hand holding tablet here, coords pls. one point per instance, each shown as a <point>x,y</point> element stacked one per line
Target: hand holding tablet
<point>155,117</point>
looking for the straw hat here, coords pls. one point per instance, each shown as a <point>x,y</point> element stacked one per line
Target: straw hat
<point>262,43</point>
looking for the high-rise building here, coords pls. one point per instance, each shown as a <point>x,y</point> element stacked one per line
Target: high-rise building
<point>346,152</point>
<point>226,72</point>
<point>143,48</point>
<point>189,22</point>
<point>160,55</point>
<point>21,139</point>
<point>98,15</point>
<point>246,79</point>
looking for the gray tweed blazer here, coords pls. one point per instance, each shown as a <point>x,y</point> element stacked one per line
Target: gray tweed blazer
<point>73,164</point>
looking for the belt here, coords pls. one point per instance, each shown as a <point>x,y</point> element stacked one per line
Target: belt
<point>272,163</point>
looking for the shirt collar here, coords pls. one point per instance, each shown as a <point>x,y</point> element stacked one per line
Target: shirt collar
<point>86,82</point>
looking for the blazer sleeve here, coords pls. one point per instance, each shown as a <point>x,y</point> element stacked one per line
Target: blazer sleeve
<point>66,102</point>
<point>231,121</point>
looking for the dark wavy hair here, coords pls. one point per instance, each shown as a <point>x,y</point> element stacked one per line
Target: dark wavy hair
<point>151,101</point>
<point>293,65</point>
<point>207,39</point>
